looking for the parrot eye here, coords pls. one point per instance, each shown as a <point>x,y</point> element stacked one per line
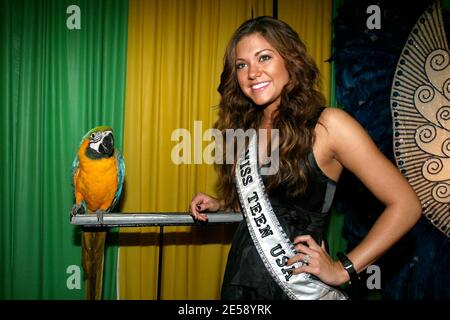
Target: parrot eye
<point>95,137</point>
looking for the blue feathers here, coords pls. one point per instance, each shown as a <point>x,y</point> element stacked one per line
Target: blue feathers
<point>121,175</point>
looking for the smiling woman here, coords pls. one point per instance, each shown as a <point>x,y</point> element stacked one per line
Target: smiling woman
<point>269,81</point>
<point>277,87</point>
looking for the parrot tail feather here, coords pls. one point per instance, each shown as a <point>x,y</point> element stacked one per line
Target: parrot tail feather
<point>93,247</point>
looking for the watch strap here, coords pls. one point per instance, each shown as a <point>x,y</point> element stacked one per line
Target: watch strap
<point>348,266</point>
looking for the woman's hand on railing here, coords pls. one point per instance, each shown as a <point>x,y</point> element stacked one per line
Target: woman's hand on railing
<point>204,203</point>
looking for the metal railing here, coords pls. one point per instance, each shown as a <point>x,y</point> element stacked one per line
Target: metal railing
<point>154,219</point>
<point>151,219</point>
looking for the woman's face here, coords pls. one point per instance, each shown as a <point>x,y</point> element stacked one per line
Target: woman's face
<point>260,69</point>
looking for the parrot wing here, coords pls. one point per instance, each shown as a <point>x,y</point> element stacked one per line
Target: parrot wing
<point>120,175</point>
<point>74,171</point>
<point>79,206</point>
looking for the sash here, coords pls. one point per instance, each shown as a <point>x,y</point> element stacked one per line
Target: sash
<point>271,241</point>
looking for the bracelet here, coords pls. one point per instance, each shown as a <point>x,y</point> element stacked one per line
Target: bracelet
<point>348,266</point>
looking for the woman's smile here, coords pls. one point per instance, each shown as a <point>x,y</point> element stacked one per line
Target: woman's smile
<point>260,86</point>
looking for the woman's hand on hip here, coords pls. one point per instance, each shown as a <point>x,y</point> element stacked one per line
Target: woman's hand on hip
<point>319,262</point>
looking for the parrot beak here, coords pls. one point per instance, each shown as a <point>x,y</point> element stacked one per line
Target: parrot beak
<point>107,145</point>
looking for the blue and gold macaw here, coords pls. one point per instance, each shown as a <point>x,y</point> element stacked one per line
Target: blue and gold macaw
<point>97,175</point>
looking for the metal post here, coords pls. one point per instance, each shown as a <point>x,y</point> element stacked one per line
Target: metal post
<point>160,260</point>
<point>275,9</point>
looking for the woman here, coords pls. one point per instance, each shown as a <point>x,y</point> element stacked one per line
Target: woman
<point>270,82</point>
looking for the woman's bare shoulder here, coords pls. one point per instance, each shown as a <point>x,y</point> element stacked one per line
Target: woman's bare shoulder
<point>339,124</point>
<point>334,117</point>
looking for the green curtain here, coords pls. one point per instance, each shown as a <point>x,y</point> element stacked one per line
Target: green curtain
<point>55,84</point>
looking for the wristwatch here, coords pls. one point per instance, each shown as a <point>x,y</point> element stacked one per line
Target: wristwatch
<point>348,266</point>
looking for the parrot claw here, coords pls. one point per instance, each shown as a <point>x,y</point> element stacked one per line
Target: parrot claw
<point>99,214</point>
<point>76,210</point>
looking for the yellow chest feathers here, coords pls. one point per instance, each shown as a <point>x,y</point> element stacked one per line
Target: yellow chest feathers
<point>96,182</point>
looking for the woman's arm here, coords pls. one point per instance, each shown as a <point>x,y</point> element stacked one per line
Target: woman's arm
<point>355,150</point>
<point>351,146</point>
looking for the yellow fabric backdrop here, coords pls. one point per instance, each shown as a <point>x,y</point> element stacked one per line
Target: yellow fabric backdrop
<point>175,56</point>
<point>312,19</point>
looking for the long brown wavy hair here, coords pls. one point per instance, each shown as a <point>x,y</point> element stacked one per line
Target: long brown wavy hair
<point>300,106</point>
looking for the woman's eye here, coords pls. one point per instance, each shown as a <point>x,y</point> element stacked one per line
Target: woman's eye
<point>240,66</point>
<point>265,57</point>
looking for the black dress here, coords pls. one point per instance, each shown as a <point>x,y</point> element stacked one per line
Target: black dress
<point>246,277</point>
